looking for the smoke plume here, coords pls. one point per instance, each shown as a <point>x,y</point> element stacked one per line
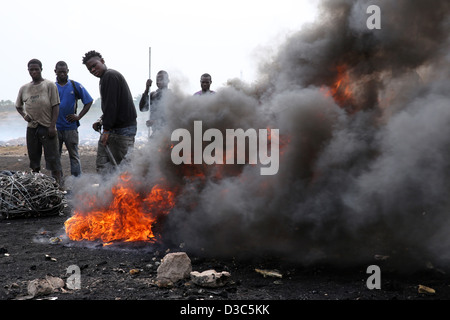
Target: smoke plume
<point>364,122</point>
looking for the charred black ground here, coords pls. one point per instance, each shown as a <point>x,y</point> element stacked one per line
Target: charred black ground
<point>27,253</point>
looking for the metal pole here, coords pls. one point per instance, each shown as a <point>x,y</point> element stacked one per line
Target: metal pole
<point>149,91</point>
<point>109,153</point>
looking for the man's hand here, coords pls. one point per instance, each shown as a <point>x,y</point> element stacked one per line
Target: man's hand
<point>97,126</point>
<point>52,131</point>
<point>148,84</point>
<point>104,138</point>
<point>27,118</point>
<point>72,117</point>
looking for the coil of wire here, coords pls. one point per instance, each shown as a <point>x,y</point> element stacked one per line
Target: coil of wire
<point>29,194</point>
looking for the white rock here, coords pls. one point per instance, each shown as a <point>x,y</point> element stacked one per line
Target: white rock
<point>210,278</point>
<point>45,286</point>
<point>174,266</point>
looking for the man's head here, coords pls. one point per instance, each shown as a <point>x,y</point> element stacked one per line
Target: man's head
<point>61,71</point>
<point>95,63</point>
<point>205,82</point>
<point>35,69</point>
<point>162,79</point>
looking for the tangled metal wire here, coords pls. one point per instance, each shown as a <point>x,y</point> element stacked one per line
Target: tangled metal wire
<point>28,194</point>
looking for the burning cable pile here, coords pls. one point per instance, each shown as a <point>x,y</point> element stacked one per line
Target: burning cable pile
<point>27,194</point>
<point>131,216</point>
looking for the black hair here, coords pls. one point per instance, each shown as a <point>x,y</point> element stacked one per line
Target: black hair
<point>164,73</point>
<point>206,75</point>
<point>35,61</point>
<point>90,55</point>
<point>61,64</point>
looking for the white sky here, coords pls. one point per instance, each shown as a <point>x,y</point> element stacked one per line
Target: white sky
<point>187,38</point>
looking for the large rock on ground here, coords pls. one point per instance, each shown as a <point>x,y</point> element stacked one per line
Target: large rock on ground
<point>40,287</point>
<point>174,266</point>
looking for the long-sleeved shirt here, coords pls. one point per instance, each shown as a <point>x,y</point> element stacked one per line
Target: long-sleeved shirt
<point>156,105</point>
<point>117,103</point>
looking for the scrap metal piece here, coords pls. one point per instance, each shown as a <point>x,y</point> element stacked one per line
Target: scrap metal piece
<point>425,289</point>
<point>269,273</point>
<point>108,151</point>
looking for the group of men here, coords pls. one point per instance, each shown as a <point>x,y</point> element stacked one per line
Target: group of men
<point>50,108</point>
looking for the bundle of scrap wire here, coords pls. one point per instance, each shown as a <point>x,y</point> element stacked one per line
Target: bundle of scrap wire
<point>29,194</point>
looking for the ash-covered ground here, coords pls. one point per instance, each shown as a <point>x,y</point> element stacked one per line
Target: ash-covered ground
<point>127,271</point>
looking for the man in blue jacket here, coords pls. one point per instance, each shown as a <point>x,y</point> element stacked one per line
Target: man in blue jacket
<point>68,119</point>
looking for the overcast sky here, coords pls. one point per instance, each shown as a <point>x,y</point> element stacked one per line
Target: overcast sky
<point>187,38</point>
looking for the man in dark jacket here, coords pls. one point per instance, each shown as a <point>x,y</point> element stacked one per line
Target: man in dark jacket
<point>119,113</point>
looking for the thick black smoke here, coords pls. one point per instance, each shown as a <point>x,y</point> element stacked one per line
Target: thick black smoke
<point>357,177</point>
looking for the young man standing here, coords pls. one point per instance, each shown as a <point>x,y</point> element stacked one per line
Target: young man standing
<point>119,113</point>
<point>68,119</point>
<point>38,103</point>
<point>157,114</point>
<point>205,84</point>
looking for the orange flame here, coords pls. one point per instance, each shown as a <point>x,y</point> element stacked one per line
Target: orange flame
<point>130,216</point>
<point>340,90</point>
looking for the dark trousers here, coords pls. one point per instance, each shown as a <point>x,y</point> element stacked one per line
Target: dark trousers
<point>120,143</point>
<point>38,140</point>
